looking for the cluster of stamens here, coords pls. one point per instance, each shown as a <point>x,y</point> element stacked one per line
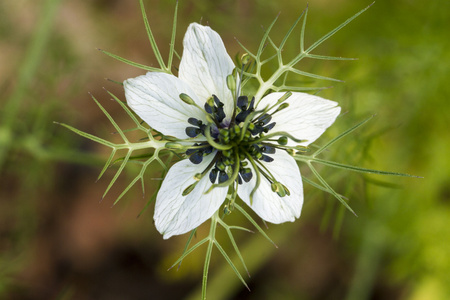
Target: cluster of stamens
<point>234,142</point>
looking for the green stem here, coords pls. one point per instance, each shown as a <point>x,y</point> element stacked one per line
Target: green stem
<point>211,238</point>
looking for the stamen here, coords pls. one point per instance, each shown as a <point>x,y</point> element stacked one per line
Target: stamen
<point>246,174</point>
<point>223,177</point>
<point>268,149</point>
<point>213,175</point>
<point>243,138</point>
<point>266,158</point>
<point>196,157</point>
<point>186,99</point>
<point>189,189</point>
<point>212,142</point>
<point>242,102</point>
<point>192,131</point>
<point>282,140</point>
<point>195,122</point>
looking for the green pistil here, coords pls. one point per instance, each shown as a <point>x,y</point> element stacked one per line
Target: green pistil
<point>211,141</point>
<point>232,178</point>
<point>258,177</point>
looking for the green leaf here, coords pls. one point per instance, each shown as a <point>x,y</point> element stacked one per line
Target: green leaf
<point>283,42</point>
<point>87,135</point>
<point>191,236</point>
<point>317,186</point>
<point>172,40</point>
<point>122,135</point>
<point>254,223</point>
<point>119,171</point>
<point>152,40</point>
<point>233,242</point>
<point>186,253</point>
<point>324,57</point>
<point>359,169</point>
<point>266,35</point>
<point>348,131</point>
<point>227,258</point>
<point>330,189</point>
<point>129,62</point>
<point>312,75</point>
<point>332,32</point>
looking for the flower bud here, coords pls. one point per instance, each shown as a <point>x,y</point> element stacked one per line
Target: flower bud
<point>282,106</point>
<point>186,99</point>
<point>189,189</point>
<point>284,97</point>
<point>231,82</point>
<point>282,140</point>
<point>174,145</point>
<point>245,58</point>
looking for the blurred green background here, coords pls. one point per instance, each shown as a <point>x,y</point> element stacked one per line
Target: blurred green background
<point>59,241</point>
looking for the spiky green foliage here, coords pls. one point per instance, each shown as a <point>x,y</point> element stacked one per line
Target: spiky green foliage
<point>252,79</point>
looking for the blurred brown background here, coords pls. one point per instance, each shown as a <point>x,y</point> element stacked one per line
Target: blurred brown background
<point>58,240</point>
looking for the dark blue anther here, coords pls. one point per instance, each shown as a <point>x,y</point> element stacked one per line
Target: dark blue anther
<point>192,131</point>
<point>196,157</point>
<point>252,103</point>
<point>191,151</point>
<point>247,176</point>
<point>195,122</point>
<point>208,108</point>
<point>217,101</point>
<point>242,102</point>
<point>266,158</point>
<point>240,117</point>
<point>213,175</point>
<point>268,149</point>
<point>257,130</point>
<point>223,176</point>
<point>264,119</point>
<point>269,127</point>
<point>207,150</point>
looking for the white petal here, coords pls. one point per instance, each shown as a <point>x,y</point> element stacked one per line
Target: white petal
<point>177,214</point>
<point>205,65</point>
<point>155,98</point>
<point>306,118</point>
<point>267,204</point>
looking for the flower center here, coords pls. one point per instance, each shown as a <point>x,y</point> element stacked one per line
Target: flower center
<point>234,142</point>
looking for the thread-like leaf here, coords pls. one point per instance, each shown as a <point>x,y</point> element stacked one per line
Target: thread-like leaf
<point>330,189</point>
<point>312,75</point>
<point>186,253</point>
<point>359,169</point>
<point>324,57</point>
<point>317,186</point>
<point>122,135</point>
<point>334,140</point>
<point>152,39</point>
<point>129,62</point>
<point>233,242</point>
<point>230,262</point>
<point>87,135</point>
<point>188,242</point>
<point>332,32</point>
<point>266,35</point>
<point>172,39</point>
<point>119,171</point>
<point>254,223</point>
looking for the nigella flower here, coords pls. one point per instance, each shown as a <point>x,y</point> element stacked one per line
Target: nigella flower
<point>234,144</point>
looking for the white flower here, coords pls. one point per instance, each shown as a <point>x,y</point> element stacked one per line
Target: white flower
<point>224,157</point>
